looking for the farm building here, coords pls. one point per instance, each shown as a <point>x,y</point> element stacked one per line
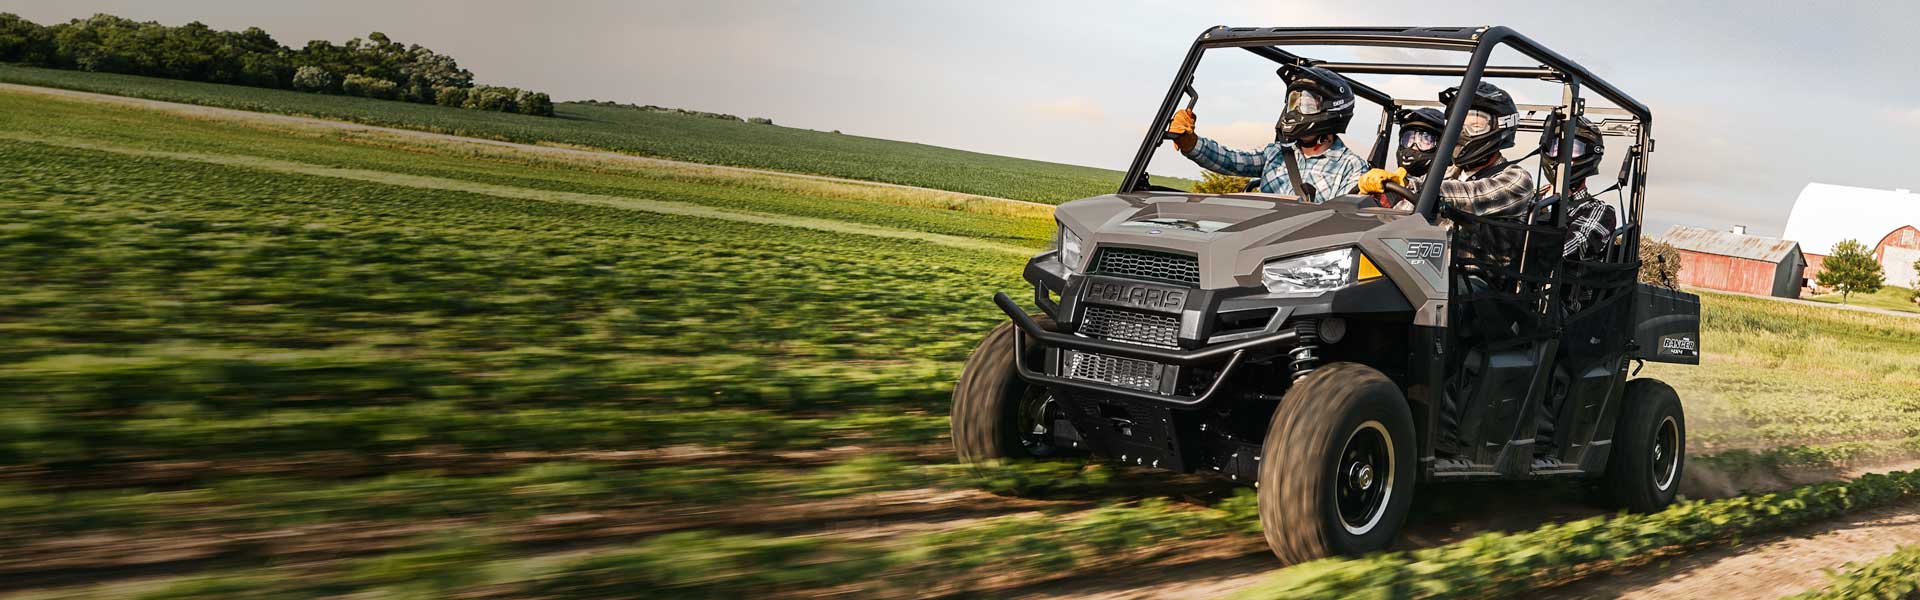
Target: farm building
<point>1888,221</point>
<point>1736,262</point>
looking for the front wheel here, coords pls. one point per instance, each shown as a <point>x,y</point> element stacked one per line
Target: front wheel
<point>996,414</point>
<point>1649,447</point>
<point>1336,470</point>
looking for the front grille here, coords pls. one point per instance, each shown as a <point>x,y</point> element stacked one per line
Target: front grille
<point>1113,370</point>
<point>1129,326</point>
<point>1147,264</point>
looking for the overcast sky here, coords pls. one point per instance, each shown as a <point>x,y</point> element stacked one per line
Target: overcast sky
<point>1751,99</point>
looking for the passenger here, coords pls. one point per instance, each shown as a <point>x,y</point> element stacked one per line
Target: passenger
<point>1319,105</point>
<point>1481,181</point>
<point>1590,221</point>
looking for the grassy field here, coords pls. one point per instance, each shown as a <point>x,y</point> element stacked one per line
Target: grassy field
<point>1890,297</point>
<point>264,360</point>
<point>679,137</point>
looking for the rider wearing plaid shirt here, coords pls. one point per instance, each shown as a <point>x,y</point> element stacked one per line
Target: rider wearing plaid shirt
<point>1332,172</point>
<point>1319,106</point>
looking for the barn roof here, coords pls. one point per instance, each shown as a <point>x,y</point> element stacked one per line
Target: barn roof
<point>1729,244</point>
<point>1825,214</point>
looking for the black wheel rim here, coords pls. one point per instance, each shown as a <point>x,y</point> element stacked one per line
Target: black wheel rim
<point>1033,419</point>
<point>1364,477</point>
<point>1666,454</point>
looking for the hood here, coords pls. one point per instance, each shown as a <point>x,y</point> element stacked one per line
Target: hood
<point>1230,234</point>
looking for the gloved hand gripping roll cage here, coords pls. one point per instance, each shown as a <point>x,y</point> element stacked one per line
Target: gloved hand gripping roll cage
<point>1319,106</point>
<point>1591,221</point>
<point>1481,181</point>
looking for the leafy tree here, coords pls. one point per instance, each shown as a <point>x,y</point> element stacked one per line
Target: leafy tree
<point>1851,268</point>
<point>534,103</point>
<point>24,41</point>
<point>1215,183</point>
<point>368,87</point>
<point>313,79</point>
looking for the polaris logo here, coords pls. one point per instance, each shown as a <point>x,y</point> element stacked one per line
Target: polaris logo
<point>1143,296</point>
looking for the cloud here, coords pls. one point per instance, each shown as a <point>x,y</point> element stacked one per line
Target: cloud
<point>1078,107</point>
<point>1909,117</point>
<point>1240,135</point>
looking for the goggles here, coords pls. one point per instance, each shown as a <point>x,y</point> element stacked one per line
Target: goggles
<point>1478,123</point>
<point>1580,149</point>
<point>1420,140</point>
<point>1303,102</point>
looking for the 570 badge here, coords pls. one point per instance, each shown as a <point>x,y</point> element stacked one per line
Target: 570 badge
<point>1419,251</point>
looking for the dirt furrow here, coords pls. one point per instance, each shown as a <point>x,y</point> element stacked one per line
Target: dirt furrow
<point>1769,568</point>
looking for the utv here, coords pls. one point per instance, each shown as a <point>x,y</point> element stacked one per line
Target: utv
<point>1423,345</point>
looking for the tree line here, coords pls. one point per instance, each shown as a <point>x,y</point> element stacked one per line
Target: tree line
<point>373,67</point>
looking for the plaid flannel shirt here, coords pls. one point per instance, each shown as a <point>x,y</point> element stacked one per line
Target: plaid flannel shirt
<point>1331,173</point>
<point>1588,227</point>
<point>1504,193</point>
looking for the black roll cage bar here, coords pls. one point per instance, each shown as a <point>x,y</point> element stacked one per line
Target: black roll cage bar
<point>1632,119</point>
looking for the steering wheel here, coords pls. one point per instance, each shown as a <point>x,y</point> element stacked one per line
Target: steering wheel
<point>1401,191</point>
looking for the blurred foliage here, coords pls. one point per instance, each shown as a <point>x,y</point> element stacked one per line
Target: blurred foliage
<point>1890,576</point>
<point>1215,183</point>
<point>1499,564</point>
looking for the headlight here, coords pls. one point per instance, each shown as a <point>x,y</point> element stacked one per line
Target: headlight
<point>1310,274</point>
<point>1069,246</point>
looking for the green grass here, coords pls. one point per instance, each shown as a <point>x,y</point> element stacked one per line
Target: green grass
<point>1890,297</point>
<point>364,332</point>
<point>679,137</point>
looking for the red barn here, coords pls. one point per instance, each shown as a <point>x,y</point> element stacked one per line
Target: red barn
<point>1737,262</point>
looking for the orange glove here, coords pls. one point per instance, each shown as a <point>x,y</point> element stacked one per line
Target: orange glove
<point>1372,182</point>
<point>1181,130</point>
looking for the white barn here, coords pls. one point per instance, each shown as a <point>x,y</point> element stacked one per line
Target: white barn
<point>1887,221</point>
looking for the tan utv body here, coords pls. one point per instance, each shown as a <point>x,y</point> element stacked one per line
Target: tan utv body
<point>1335,354</point>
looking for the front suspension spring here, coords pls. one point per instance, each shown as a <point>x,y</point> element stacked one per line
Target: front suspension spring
<point>1304,360</point>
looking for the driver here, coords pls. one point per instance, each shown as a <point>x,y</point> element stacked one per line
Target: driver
<point>1591,220</point>
<point>1419,132</point>
<point>1319,105</point>
<point>1481,181</point>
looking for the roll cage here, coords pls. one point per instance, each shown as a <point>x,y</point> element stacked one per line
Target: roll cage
<point>1631,120</point>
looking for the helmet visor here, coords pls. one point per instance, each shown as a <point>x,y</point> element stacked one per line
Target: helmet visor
<point>1580,149</point>
<point>1478,123</point>
<point>1420,140</point>
<point>1303,102</point>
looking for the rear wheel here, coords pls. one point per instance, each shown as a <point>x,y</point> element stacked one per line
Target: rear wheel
<point>1336,470</point>
<point>996,414</point>
<point>1649,447</point>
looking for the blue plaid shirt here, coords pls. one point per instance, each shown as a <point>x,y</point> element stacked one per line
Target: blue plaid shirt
<point>1331,173</point>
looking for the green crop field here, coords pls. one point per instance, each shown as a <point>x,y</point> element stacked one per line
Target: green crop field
<point>1890,297</point>
<point>248,358</point>
<point>679,137</point>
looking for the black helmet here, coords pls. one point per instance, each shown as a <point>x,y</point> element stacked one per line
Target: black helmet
<point>1588,148</point>
<point>1319,102</point>
<point>1489,127</point>
<point>1419,133</point>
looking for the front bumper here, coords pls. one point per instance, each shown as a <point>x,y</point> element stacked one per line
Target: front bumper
<point>1233,352</point>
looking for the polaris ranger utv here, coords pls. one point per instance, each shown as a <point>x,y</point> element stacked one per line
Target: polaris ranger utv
<point>1335,353</point>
